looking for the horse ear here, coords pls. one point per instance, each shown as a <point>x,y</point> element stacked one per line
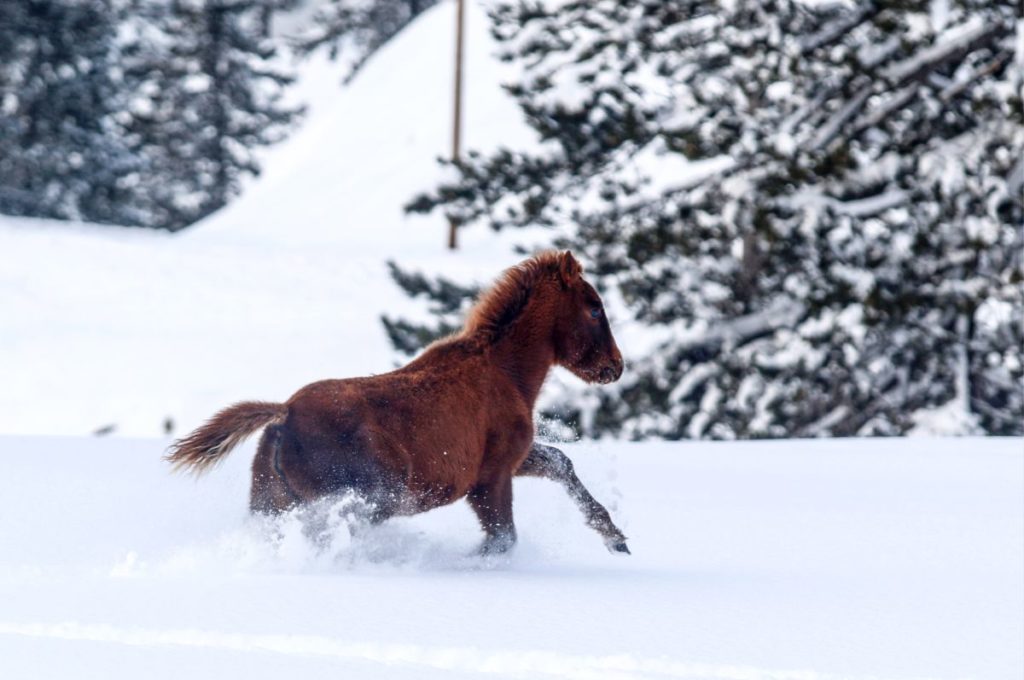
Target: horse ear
<point>569,269</point>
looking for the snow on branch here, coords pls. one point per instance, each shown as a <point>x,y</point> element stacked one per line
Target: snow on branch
<point>958,41</point>
<point>862,207</point>
<point>992,66</point>
<point>827,132</point>
<point>896,101</point>
<point>834,31</point>
<point>781,313</point>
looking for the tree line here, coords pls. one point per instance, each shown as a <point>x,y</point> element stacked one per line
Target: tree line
<point>809,213</point>
<point>150,112</point>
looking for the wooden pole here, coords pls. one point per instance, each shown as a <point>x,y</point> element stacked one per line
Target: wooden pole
<point>457,126</point>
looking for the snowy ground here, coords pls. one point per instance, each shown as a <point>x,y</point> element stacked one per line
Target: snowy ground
<point>798,560</point>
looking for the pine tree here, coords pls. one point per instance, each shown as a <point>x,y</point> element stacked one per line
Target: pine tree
<point>208,94</point>
<point>134,112</point>
<point>810,208</point>
<point>62,153</point>
<point>448,300</point>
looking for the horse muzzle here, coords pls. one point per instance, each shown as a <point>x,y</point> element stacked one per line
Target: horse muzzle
<point>611,373</point>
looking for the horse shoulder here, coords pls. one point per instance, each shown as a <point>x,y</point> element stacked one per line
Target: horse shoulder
<point>510,425</point>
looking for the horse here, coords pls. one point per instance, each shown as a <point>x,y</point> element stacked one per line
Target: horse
<point>456,422</point>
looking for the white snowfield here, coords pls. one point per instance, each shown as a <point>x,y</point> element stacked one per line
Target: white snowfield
<point>809,560</point>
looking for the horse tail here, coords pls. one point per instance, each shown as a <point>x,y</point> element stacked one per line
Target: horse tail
<point>208,445</point>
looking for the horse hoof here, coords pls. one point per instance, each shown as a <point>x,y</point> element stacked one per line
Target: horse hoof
<point>619,547</point>
<point>498,545</point>
<point>493,551</point>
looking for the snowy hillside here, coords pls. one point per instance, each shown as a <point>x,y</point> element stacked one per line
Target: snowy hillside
<point>810,560</point>
<point>119,327</point>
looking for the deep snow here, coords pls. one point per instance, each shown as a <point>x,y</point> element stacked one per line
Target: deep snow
<point>802,560</point>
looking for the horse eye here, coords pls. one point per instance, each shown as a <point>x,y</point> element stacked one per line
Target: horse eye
<point>595,312</point>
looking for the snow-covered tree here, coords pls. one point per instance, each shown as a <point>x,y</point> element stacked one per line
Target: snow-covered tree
<point>208,93</point>
<point>361,26</point>
<point>134,112</point>
<point>807,216</point>
<point>62,148</point>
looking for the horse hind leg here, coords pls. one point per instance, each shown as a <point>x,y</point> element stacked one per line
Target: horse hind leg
<point>551,463</point>
<point>270,493</point>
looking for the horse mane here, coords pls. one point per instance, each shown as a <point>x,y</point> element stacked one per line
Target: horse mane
<point>501,304</point>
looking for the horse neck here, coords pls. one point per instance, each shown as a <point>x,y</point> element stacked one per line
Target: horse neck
<point>525,353</point>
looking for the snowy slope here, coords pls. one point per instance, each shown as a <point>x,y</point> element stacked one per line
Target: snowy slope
<point>105,326</point>
<point>802,560</point>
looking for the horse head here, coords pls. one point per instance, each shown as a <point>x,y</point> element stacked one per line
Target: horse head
<point>582,337</point>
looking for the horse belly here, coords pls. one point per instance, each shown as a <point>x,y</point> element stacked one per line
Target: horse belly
<point>425,443</point>
<point>440,475</point>
<point>328,449</point>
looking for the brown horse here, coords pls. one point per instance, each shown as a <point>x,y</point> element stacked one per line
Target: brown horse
<point>457,421</point>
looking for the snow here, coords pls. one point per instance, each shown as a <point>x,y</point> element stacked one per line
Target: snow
<point>939,10</point>
<point>671,171</point>
<point>831,127</point>
<point>950,419</point>
<point>862,207</point>
<point>955,416</point>
<point>949,41</point>
<point>800,560</point>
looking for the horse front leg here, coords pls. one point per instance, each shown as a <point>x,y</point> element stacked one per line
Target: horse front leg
<point>492,502</point>
<point>551,463</point>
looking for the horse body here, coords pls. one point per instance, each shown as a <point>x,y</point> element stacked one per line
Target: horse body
<point>455,422</point>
